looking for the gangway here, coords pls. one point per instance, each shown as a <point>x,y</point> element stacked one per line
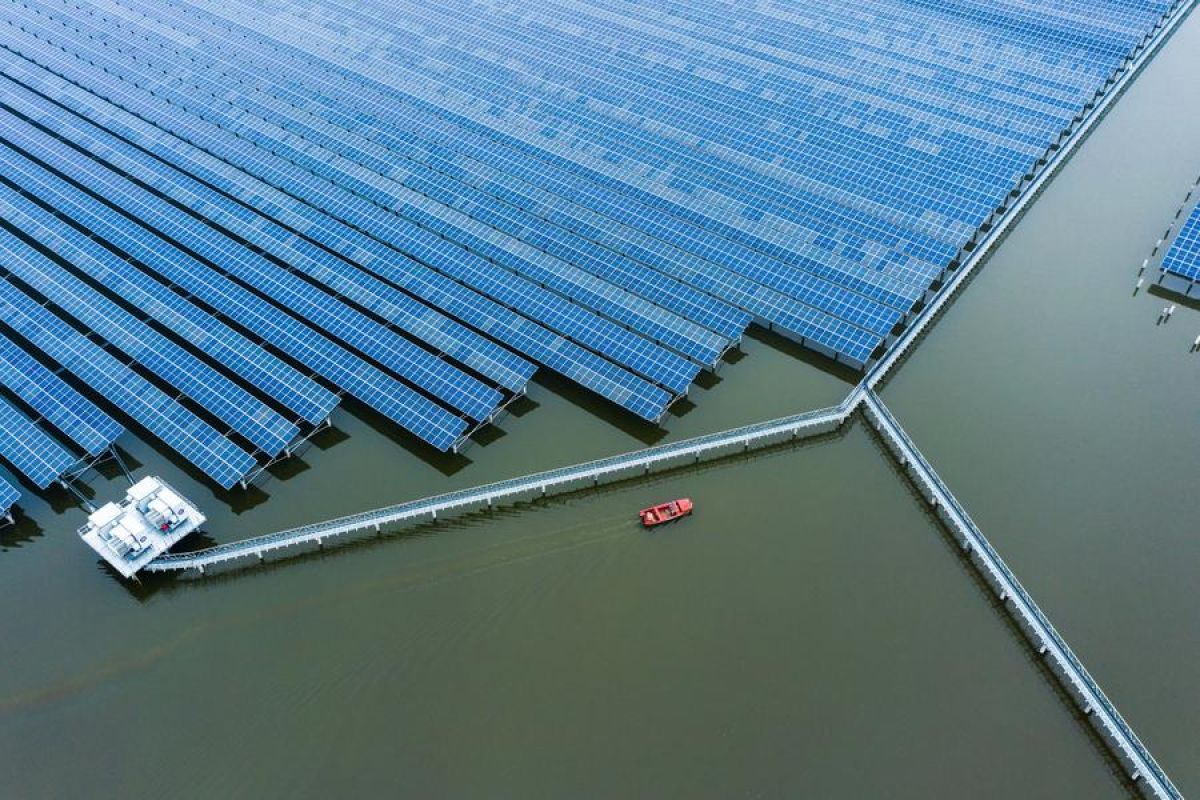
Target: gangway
<point>759,434</point>
<point>1031,620</point>
<point>1066,666</point>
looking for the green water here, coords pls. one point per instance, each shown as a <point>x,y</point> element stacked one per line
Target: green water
<point>808,633</point>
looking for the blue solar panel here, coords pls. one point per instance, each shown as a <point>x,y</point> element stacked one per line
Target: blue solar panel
<point>423,321</point>
<point>540,265</point>
<point>431,373</point>
<point>30,450</point>
<point>198,327</point>
<point>636,352</point>
<point>578,364</point>
<point>180,429</point>
<point>1183,256</point>
<point>8,496</point>
<point>60,405</point>
<point>392,398</point>
<point>805,318</point>
<point>1111,32</point>
<point>166,360</point>
<point>641,179</point>
<point>533,229</point>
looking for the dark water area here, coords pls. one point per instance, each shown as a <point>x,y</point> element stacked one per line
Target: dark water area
<point>809,632</point>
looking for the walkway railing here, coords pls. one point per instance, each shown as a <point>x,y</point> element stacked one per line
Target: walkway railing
<point>1118,735</point>
<point>1032,621</point>
<point>760,434</point>
<point>1030,188</point>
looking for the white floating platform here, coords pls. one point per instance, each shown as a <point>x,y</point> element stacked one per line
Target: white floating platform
<point>132,533</point>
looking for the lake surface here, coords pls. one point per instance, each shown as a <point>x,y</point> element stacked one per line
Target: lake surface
<point>809,632</point>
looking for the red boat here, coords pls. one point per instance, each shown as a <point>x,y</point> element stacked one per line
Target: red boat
<point>666,512</point>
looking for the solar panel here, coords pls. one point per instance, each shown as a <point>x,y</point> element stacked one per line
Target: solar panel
<point>30,450</point>
<point>809,296</point>
<point>708,311</point>
<point>423,321</point>
<point>392,398</point>
<point>1045,30</point>
<point>641,180</point>
<point>196,326</point>
<point>669,370</point>
<point>8,496</point>
<point>431,373</point>
<point>181,430</point>
<point>455,152</point>
<point>59,404</point>
<point>167,361</point>
<point>498,321</point>
<point>509,218</point>
<point>1183,256</point>
<point>541,265</point>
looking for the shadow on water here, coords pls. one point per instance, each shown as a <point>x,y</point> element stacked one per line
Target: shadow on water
<point>645,432</point>
<point>1000,610</point>
<point>328,437</point>
<point>286,469</point>
<point>1174,297</point>
<point>110,468</point>
<point>487,435</point>
<point>523,405</point>
<point>62,500</point>
<point>708,380</point>
<point>799,352</point>
<point>446,463</point>
<point>21,532</point>
<point>152,583</point>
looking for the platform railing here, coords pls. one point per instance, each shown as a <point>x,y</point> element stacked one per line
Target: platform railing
<point>1033,622</point>
<point>759,434</point>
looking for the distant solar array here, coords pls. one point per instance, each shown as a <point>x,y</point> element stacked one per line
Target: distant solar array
<point>1181,264</point>
<point>221,215</point>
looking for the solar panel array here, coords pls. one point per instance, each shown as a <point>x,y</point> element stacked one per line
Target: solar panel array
<point>59,404</point>
<point>1183,256</point>
<point>24,445</point>
<point>264,203</point>
<point>9,495</point>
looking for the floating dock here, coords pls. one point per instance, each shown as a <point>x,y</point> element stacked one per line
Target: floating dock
<point>152,518</point>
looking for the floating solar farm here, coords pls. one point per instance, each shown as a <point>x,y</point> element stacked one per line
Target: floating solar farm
<point>1180,269</point>
<point>222,217</point>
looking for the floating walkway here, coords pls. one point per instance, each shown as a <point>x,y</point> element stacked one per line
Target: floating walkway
<point>1142,768</point>
<point>1033,623</point>
<point>1066,666</point>
<point>758,435</point>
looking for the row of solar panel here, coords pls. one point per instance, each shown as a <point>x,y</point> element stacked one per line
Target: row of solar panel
<point>841,332</point>
<point>676,382</point>
<point>127,390</point>
<point>1183,255</point>
<point>428,186</point>
<point>359,24</point>
<point>341,136</point>
<point>653,361</point>
<point>645,350</point>
<point>23,444</point>
<point>77,200</point>
<point>354,246</point>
